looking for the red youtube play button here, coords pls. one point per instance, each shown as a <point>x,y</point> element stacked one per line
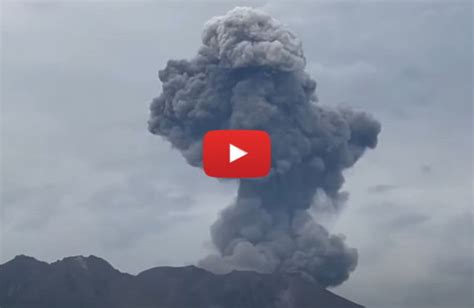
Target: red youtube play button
<point>237,153</point>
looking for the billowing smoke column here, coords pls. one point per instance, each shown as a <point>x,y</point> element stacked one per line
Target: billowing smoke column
<point>249,74</point>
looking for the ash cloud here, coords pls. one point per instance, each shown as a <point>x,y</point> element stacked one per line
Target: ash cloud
<point>249,74</point>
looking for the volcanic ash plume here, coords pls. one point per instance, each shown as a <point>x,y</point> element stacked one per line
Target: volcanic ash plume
<point>249,74</point>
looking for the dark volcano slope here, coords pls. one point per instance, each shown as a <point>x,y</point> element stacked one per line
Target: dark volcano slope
<point>91,282</point>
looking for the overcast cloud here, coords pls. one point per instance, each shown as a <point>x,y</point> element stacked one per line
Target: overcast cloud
<point>82,175</point>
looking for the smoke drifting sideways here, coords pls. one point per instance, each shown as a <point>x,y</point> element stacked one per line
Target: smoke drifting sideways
<point>249,74</point>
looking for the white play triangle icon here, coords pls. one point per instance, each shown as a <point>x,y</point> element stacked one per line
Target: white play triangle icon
<point>235,153</point>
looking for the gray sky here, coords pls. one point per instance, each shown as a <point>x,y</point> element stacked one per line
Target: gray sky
<point>81,174</point>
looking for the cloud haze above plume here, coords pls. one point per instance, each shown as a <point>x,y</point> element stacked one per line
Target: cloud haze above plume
<point>249,74</point>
